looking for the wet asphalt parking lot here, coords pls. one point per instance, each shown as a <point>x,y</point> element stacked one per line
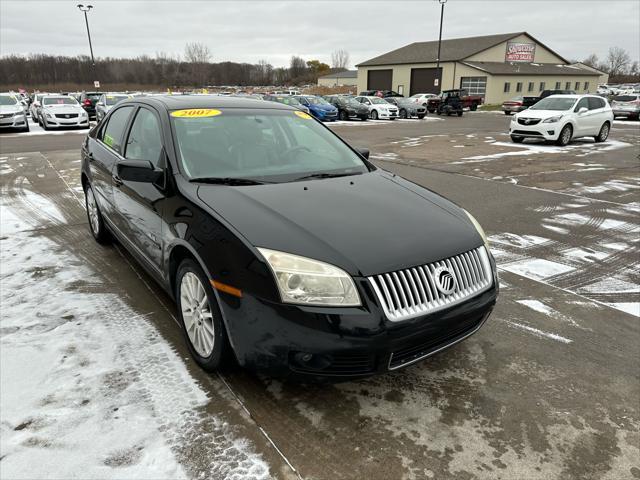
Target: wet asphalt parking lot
<point>549,388</point>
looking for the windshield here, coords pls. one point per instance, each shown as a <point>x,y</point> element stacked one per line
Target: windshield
<point>267,145</point>
<point>554,103</point>
<point>59,101</point>
<point>113,99</point>
<point>352,102</point>
<point>317,101</point>
<point>378,101</point>
<point>8,100</point>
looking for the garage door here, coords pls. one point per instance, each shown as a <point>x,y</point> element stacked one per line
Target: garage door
<point>379,79</point>
<point>422,80</point>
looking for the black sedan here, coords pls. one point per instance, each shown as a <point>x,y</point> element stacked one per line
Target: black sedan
<point>348,107</point>
<point>283,245</point>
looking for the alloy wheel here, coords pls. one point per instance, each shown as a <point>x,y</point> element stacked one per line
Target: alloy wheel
<point>197,314</point>
<point>92,211</point>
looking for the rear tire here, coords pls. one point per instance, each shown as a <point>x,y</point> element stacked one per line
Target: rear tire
<point>96,223</point>
<point>565,136</point>
<point>604,133</point>
<point>507,113</point>
<point>517,139</point>
<point>200,316</point>
<point>364,118</point>
<point>460,113</point>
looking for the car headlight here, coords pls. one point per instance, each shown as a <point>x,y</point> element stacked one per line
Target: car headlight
<point>553,119</point>
<point>48,115</point>
<point>479,229</point>
<point>305,281</point>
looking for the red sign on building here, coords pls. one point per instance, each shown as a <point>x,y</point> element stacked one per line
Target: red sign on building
<point>520,52</point>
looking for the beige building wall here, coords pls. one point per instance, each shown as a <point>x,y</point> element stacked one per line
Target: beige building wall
<point>496,94</point>
<point>331,82</point>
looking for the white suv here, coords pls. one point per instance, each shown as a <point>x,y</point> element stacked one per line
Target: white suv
<point>559,118</point>
<point>379,108</point>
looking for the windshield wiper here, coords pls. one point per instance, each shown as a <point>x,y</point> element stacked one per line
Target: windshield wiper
<point>227,181</point>
<point>325,175</point>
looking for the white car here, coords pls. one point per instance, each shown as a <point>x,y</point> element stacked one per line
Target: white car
<point>34,108</point>
<point>379,108</point>
<point>62,111</point>
<point>107,101</point>
<point>12,114</point>
<point>559,118</point>
<point>422,98</point>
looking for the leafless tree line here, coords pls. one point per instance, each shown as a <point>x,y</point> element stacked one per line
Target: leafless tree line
<point>617,64</point>
<point>195,69</point>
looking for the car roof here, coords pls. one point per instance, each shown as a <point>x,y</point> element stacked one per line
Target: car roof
<point>177,102</point>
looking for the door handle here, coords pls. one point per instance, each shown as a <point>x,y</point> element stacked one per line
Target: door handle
<point>117,181</point>
<point>91,157</point>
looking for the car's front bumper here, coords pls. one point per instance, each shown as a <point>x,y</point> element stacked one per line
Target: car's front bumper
<point>320,342</point>
<point>512,108</point>
<point>387,115</point>
<point>54,122</point>
<point>13,121</point>
<point>545,131</point>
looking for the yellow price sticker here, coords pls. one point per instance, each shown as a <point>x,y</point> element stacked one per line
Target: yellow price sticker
<point>306,116</point>
<point>196,113</point>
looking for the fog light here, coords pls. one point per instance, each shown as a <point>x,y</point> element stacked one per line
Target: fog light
<point>551,132</point>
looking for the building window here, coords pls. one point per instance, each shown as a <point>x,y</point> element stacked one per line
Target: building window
<point>567,86</point>
<point>586,86</point>
<point>507,87</point>
<point>558,85</point>
<point>532,85</point>
<point>474,85</point>
<point>577,87</point>
<point>519,87</point>
<point>542,86</point>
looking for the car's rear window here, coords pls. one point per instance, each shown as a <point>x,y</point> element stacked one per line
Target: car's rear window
<point>626,98</point>
<point>113,99</point>
<point>269,145</point>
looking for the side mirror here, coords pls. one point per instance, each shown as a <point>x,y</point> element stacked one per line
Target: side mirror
<point>100,103</point>
<point>583,110</point>
<point>364,152</point>
<point>138,171</point>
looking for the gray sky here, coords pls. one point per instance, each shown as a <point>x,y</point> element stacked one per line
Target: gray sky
<point>247,31</point>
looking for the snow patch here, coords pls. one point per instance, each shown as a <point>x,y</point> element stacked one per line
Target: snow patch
<point>537,268</point>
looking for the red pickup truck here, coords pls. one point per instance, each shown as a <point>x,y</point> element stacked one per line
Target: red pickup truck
<point>468,101</point>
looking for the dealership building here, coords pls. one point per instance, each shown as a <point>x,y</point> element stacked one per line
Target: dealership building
<point>497,67</point>
<point>347,77</point>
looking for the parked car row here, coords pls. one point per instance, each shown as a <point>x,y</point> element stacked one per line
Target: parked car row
<point>617,89</point>
<point>520,103</point>
<point>12,112</point>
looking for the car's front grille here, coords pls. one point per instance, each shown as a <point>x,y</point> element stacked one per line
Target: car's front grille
<point>527,132</point>
<point>528,121</point>
<point>66,115</point>
<point>337,364</point>
<point>418,291</point>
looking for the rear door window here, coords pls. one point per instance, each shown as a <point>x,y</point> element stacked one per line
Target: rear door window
<point>583,103</point>
<point>595,103</point>
<point>112,134</point>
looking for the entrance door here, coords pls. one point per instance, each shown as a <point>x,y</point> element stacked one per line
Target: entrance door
<point>423,79</point>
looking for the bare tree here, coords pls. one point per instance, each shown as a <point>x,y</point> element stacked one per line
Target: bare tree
<point>197,53</point>
<point>340,59</point>
<point>297,67</point>
<point>617,61</point>
<point>592,61</point>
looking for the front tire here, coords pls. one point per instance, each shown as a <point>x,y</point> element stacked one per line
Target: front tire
<point>200,316</point>
<point>421,116</point>
<point>507,113</point>
<point>403,113</point>
<point>96,222</point>
<point>565,136</point>
<point>374,115</point>
<point>474,107</point>
<point>342,115</point>
<point>364,118</point>
<point>604,133</point>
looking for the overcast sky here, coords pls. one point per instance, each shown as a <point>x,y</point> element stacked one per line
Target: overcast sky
<point>248,31</point>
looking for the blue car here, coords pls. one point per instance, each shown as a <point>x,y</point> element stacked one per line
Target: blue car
<point>318,107</point>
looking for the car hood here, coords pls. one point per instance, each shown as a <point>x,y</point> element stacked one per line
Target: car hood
<point>325,108</point>
<point>365,224</point>
<point>542,113</point>
<point>11,109</point>
<point>62,109</point>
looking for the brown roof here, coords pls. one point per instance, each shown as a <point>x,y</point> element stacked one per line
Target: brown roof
<point>453,49</point>
<point>501,68</point>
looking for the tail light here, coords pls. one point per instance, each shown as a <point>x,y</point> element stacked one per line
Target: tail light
<point>87,102</point>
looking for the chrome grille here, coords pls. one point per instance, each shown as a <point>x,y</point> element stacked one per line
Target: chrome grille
<point>413,292</point>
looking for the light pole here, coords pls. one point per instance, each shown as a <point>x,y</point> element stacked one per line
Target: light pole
<point>85,9</point>
<point>438,72</point>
